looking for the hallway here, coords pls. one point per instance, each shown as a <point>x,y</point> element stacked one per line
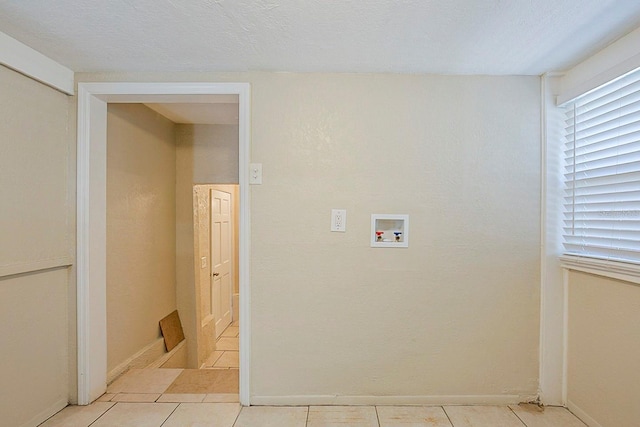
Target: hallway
<point>217,381</point>
<point>226,354</point>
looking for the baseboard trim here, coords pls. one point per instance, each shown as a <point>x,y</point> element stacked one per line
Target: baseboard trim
<point>141,359</point>
<point>586,418</point>
<point>46,414</point>
<point>159,363</point>
<point>304,400</point>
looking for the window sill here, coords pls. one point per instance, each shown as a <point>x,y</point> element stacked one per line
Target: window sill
<point>613,269</point>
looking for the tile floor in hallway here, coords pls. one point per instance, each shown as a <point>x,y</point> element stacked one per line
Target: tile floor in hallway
<point>175,414</point>
<point>226,355</point>
<point>217,382</point>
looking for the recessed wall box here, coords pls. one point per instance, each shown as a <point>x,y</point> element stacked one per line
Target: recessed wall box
<point>389,231</point>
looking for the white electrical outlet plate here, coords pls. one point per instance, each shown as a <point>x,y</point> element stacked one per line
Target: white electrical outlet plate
<point>255,173</point>
<point>339,220</point>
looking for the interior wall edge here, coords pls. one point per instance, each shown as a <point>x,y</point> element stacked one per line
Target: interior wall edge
<point>31,63</point>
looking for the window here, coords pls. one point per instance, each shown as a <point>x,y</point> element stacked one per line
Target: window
<point>602,172</point>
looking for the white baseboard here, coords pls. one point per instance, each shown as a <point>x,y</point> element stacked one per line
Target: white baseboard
<point>47,413</point>
<point>586,418</point>
<point>304,400</point>
<point>141,359</point>
<point>177,351</point>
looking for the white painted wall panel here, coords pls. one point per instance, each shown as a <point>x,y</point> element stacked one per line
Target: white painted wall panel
<point>604,344</point>
<point>34,163</point>
<point>33,360</point>
<point>34,233</point>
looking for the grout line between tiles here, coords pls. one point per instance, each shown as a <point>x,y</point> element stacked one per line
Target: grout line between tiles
<point>214,362</point>
<point>102,415</point>
<point>377,415</point>
<point>169,416</point>
<point>448,417</point>
<point>306,421</point>
<point>514,413</point>
<point>576,417</point>
<point>237,416</point>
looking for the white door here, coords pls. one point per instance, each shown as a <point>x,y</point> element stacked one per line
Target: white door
<point>221,258</point>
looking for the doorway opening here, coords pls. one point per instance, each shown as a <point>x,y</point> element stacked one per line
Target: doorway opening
<point>91,266</point>
<point>171,246</point>
<point>215,225</point>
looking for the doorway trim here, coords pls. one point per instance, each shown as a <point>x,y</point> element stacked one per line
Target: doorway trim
<point>91,216</point>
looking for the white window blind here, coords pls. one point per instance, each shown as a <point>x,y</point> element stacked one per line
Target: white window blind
<point>602,172</point>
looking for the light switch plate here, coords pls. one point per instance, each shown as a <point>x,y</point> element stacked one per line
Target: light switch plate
<point>255,173</point>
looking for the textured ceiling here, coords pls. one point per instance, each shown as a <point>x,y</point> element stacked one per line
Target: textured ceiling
<point>405,36</point>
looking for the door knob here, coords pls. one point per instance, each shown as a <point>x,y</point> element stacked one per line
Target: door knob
<point>215,274</point>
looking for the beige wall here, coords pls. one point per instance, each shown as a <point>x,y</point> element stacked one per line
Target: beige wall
<point>455,314</point>
<point>209,153</point>
<point>36,233</point>
<point>205,154</point>
<point>604,344</point>
<point>141,241</point>
<point>33,218</point>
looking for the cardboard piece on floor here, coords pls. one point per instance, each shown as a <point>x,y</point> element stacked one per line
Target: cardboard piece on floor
<point>171,330</point>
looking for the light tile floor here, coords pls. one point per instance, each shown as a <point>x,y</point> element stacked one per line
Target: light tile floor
<point>150,385</point>
<point>125,414</point>
<point>226,355</point>
<point>138,399</point>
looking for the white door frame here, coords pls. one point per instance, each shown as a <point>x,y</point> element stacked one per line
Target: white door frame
<point>91,216</point>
